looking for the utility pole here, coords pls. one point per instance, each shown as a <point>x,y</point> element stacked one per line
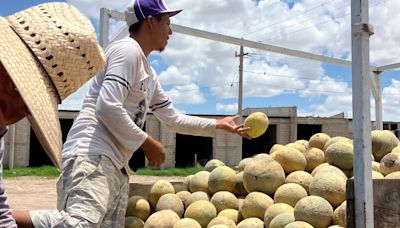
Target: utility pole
<point>240,98</point>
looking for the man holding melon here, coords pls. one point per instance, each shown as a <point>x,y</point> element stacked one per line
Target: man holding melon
<point>93,187</point>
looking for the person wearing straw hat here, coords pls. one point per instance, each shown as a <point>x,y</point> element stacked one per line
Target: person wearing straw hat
<point>46,53</point>
<point>108,129</point>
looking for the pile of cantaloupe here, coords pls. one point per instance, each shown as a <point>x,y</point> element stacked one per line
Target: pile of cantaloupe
<point>298,185</point>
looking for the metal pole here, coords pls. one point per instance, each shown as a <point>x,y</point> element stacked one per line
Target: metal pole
<point>378,101</point>
<point>104,27</point>
<point>361,30</point>
<point>12,147</point>
<point>240,96</point>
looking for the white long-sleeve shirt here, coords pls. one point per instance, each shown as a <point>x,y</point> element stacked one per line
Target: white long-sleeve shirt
<point>115,108</point>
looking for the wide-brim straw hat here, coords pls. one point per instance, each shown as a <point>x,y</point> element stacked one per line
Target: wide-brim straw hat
<point>49,51</point>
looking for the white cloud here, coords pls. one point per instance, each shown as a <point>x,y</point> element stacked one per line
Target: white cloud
<point>391,101</point>
<point>231,108</point>
<point>321,27</point>
<point>173,76</point>
<point>186,94</point>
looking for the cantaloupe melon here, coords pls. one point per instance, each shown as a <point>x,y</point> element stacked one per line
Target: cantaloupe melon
<point>314,158</point>
<point>220,220</point>
<point>231,214</point>
<point>158,189</point>
<point>281,220</point>
<point>318,140</point>
<point>133,222</point>
<point>290,159</point>
<point>314,210</point>
<point>303,142</point>
<point>394,175</point>
<point>199,182</point>
<point>162,219</point>
<point>275,147</point>
<point>255,204</point>
<point>172,202</point>
<point>258,124</point>
<point>329,169</point>
<point>196,196</point>
<point>383,141</point>
<point>274,210</point>
<point>390,163</point>
<point>289,193</point>
<point>251,223</point>
<point>183,195</point>
<point>396,150</point>
<point>186,223</point>
<point>340,154</point>
<point>262,156</point>
<point>262,175</point>
<point>377,175</point>
<point>337,139</point>
<point>329,186</point>
<point>339,215</point>
<point>219,226</point>
<point>297,146</point>
<point>302,178</point>
<point>202,211</point>
<point>224,200</point>
<point>212,164</point>
<point>222,178</point>
<point>240,190</point>
<point>299,224</point>
<point>243,164</point>
<point>375,166</point>
<point>138,207</point>
<point>186,183</point>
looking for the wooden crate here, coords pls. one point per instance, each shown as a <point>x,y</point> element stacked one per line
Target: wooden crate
<point>386,193</point>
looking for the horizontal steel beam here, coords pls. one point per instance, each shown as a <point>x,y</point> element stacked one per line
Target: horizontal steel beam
<point>247,43</point>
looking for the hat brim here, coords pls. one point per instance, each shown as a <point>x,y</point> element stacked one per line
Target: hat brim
<point>172,13</point>
<point>35,89</point>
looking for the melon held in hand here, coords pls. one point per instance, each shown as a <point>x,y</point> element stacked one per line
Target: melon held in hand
<point>258,124</point>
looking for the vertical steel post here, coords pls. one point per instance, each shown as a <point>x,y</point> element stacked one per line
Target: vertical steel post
<point>361,30</point>
<point>378,101</point>
<point>104,27</point>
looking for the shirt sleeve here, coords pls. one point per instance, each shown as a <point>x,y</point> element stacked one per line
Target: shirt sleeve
<point>6,220</point>
<point>121,70</point>
<point>162,108</point>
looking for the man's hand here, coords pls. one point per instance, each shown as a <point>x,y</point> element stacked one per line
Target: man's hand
<point>228,124</point>
<point>154,152</point>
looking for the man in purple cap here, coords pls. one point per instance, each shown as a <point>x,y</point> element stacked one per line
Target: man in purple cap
<point>94,184</point>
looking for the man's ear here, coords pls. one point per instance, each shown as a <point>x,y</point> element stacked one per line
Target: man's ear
<point>150,21</point>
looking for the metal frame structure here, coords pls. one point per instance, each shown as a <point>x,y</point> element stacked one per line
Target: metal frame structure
<point>362,83</point>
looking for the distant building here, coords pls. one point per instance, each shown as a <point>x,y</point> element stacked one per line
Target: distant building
<point>181,150</point>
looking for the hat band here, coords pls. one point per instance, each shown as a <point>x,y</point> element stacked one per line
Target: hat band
<point>40,64</point>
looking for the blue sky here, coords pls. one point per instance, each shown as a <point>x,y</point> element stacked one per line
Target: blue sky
<point>201,76</point>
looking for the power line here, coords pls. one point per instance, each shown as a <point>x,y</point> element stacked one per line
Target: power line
<point>324,22</point>
<point>287,19</point>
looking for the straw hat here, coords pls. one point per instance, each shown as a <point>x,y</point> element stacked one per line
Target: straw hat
<point>49,51</point>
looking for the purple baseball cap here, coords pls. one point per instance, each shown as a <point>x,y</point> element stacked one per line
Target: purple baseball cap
<point>139,10</point>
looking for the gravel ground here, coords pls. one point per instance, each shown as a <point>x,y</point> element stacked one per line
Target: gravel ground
<point>36,193</point>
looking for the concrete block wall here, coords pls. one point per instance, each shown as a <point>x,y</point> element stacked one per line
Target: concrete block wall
<point>21,146</point>
<point>336,127</point>
<point>331,126</point>
<point>227,147</point>
<point>283,129</point>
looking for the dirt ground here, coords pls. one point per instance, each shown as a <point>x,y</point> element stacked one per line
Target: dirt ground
<point>36,193</point>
